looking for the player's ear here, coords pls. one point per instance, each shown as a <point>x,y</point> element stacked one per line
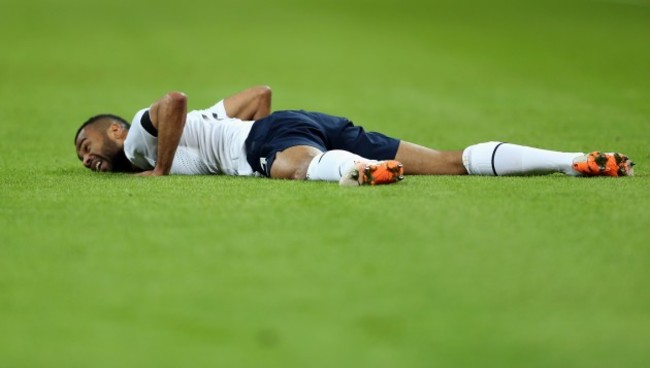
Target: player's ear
<point>116,131</point>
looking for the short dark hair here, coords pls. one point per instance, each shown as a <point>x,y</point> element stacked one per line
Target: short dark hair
<point>96,118</point>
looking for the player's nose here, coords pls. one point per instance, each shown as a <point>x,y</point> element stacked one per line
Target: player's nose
<point>87,161</point>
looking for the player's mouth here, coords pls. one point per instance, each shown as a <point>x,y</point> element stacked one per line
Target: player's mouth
<point>97,165</point>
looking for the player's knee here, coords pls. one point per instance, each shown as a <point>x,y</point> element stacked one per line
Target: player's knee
<point>292,173</point>
<point>299,174</point>
<point>287,169</point>
<point>293,163</point>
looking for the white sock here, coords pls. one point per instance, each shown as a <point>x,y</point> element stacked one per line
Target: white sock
<point>331,165</point>
<point>498,158</point>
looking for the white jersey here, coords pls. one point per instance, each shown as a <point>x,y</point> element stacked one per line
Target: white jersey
<point>211,143</point>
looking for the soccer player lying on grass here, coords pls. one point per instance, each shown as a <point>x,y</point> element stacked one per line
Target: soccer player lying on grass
<point>240,136</point>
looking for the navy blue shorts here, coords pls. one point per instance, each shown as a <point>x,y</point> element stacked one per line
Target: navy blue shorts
<point>284,129</point>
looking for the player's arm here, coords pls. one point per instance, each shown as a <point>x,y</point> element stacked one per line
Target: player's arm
<point>251,104</point>
<point>168,116</point>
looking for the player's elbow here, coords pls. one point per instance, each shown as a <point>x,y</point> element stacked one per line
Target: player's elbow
<point>262,92</point>
<point>176,98</point>
<point>263,95</point>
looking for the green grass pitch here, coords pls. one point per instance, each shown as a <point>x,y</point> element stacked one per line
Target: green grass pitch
<point>117,271</point>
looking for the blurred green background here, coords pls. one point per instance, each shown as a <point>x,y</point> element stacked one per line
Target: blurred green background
<point>111,270</point>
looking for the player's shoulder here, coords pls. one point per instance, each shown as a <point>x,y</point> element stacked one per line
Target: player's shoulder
<point>140,146</point>
<point>137,118</point>
<point>137,133</point>
<point>142,123</point>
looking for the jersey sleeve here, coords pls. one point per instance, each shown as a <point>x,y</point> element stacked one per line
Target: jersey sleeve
<point>141,144</point>
<point>216,111</point>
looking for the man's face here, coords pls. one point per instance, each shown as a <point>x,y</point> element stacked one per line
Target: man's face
<point>100,147</point>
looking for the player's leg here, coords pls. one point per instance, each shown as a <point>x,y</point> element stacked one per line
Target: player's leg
<point>490,158</point>
<point>350,169</point>
<point>498,158</point>
<point>419,160</point>
<point>306,145</point>
<point>307,162</point>
<point>293,162</point>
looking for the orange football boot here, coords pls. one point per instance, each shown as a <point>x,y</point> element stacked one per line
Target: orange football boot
<point>603,164</point>
<point>382,172</point>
